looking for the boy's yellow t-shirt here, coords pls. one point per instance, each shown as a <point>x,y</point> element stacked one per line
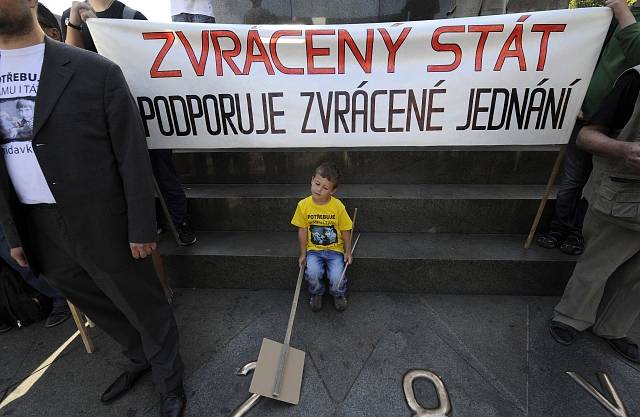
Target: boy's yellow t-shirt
<point>324,223</point>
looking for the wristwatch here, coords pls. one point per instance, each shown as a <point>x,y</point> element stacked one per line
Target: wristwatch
<point>67,22</point>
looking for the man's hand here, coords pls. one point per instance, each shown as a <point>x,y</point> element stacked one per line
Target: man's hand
<point>348,258</point>
<point>18,255</point>
<point>80,11</point>
<point>632,155</point>
<point>621,12</point>
<point>302,260</point>
<point>142,250</point>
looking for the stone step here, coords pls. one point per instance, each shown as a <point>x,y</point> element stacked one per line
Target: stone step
<point>387,208</point>
<point>502,165</point>
<point>395,262</point>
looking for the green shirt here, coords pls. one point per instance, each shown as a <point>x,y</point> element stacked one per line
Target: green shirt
<point>621,53</point>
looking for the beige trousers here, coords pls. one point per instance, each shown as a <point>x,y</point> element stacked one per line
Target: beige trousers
<point>604,291</point>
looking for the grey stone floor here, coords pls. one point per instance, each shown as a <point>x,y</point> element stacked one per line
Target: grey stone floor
<point>493,353</point>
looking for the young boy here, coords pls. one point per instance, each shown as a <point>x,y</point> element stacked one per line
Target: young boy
<point>325,237</point>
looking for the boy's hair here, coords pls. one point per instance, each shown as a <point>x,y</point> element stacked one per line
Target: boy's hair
<point>330,171</point>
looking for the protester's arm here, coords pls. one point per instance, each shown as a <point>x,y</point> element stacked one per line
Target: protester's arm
<point>346,236</point>
<point>594,139</point>
<point>78,14</point>
<point>621,12</point>
<point>127,136</point>
<point>302,242</point>
<point>613,114</point>
<point>628,33</point>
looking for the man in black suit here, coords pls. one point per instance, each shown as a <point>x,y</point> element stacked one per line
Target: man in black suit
<point>78,196</point>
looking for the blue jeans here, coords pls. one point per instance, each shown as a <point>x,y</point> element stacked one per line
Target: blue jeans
<point>37,282</point>
<point>331,262</point>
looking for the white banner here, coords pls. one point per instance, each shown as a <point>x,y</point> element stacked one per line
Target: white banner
<point>496,80</point>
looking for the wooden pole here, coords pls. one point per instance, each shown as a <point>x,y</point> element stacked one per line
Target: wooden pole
<point>545,196</point>
<point>81,325</point>
<point>287,338</point>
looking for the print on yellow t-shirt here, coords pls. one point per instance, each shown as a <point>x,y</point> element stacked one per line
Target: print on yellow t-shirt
<point>324,223</point>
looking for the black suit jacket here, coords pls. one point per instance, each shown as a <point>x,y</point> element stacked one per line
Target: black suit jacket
<point>90,143</point>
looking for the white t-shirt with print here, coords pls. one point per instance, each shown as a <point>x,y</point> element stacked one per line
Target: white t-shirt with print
<point>19,79</point>
<point>204,7</point>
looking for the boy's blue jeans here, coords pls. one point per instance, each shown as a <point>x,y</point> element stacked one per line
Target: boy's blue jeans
<point>319,262</point>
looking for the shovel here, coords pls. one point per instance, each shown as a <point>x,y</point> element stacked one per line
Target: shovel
<point>278,373</point>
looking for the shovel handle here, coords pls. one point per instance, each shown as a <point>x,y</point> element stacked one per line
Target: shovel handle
<point>294,306</point>
<point>280,372</point>
<point>287,337</point>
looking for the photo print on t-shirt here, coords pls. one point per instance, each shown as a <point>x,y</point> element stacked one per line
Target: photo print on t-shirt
<point>323,235</point>
<point>16,119</point>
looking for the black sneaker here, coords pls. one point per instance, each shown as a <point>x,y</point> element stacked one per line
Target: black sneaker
<point>59,314</point>
<point>562,333</point>
<point>315,302</point>
<point>186,235</point>
<point>340,302</point>
<point>4,328</point>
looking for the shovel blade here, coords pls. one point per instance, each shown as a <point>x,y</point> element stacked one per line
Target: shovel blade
<point>264,376</point>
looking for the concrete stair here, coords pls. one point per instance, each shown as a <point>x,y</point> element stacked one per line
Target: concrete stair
<point>433,221</point>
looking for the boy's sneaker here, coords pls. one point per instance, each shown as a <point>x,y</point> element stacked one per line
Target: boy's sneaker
<point>186,235</point>
<point>315,302</point>
<point>340,302</point>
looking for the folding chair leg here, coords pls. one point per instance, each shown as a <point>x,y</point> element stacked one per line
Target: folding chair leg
<point>78,317</point>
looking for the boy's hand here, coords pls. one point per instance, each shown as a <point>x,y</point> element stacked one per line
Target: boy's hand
<point>302,260</point>
<point>348,258</point>
<point>621,12</point>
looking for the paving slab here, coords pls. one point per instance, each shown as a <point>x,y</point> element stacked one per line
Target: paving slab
<point>552,393</point>
<point>216,390</point>
<point>493,353</point>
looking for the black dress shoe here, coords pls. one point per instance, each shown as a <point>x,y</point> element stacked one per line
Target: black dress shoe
<point>562,333</point>
<point>122,384</point>
<point>172,404</point>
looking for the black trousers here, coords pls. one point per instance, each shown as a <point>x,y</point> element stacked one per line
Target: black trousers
<point>571,208</point>
<point>169,184</point>
<point>127,303</point>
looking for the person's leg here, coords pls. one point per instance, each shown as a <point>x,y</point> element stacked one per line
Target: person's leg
<point>202,18</point>
<point>466,8</point>
<point>172,192</point>
<point>620,304</point>
<point>607,247</point>
<point>182,17</point>
<point>60,310</point>
<point>313,275</point>
<point>335,267</point>
<point>570,207</point>
<point>314,272</point>
<point>493,7</point>
<point>74,282</point>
